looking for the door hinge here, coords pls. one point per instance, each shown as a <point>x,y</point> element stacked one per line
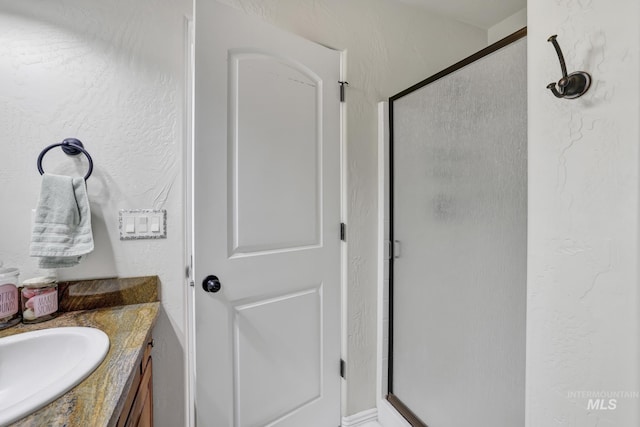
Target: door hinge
<point>342,91</point>
<point>343,231</point>
<point>188,272</point>
<point>343,369</point>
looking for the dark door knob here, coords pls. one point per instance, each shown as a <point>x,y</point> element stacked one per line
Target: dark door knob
<point>211,284</point>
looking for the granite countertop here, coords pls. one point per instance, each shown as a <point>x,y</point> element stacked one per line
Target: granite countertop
<point>98,400</point>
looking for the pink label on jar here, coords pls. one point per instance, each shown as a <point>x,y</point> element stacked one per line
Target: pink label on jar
<point>45,303</point>
<point>8,300</point>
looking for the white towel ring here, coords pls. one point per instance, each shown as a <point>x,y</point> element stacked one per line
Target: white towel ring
<point>71,147</point>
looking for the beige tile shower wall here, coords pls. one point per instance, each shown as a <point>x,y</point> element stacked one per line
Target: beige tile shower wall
<point>583,306</point>
<point>390,46</point>
<point>111,74</point>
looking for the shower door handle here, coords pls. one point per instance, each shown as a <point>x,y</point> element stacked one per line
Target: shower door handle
<point>396,249</point>
<point>211,284</point>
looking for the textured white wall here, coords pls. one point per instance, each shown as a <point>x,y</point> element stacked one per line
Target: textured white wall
<point>111,74</point>
<point>583,306</point>
<point>389,46</point>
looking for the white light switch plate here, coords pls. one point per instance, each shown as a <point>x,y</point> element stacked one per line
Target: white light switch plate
<point>136,224</point>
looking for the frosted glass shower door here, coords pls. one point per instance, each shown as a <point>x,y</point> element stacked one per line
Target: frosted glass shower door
<point>459,215</point>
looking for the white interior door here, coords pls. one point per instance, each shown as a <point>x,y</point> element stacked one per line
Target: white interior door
<point>267,221</point>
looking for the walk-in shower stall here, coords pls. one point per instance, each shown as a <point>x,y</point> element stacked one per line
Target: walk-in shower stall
<point>458,183</point>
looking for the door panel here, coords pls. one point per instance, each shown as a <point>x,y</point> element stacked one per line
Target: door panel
<point>272,350</point>
<point>266,222</point>
<point>270,210</point>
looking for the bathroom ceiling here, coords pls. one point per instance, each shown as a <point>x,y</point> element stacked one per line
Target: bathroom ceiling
<point>481,13</point>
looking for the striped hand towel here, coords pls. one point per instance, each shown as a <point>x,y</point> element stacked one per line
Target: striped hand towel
<point>61,232</point>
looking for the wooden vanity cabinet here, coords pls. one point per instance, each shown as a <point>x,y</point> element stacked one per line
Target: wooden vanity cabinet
<point>138,407</point>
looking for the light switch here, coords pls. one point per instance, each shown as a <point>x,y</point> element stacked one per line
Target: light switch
<point>129,224</point>
<point>136,224</point>
<point>142,224</point>
<point>155,225</point>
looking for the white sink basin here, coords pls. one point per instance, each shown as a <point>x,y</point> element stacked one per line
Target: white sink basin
<point>38,367</point>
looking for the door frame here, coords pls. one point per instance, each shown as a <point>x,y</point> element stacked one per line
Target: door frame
<point>189,283</point>
<point>387,414</point>
<point>189,231</point>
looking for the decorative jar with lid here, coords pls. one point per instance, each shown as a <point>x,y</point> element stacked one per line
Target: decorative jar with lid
<point>9,303</point>
<point>39,298</point>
